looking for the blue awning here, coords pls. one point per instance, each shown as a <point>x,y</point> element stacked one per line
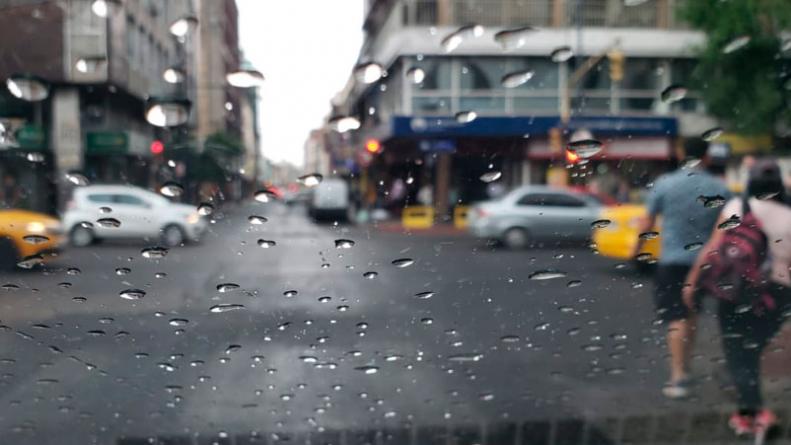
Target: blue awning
<point>518,126</point>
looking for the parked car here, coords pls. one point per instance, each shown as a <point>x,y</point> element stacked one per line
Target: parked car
<point>27,235</point>
<point>533,213</point>
<point>618,238</point>
<point>330,199</point>
<point>100,212</point>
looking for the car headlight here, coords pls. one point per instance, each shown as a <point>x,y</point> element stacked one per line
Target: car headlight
<point>193,218</point>
<point>35,227</point>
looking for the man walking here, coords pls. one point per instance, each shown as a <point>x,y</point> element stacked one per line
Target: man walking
<point>688,201</point>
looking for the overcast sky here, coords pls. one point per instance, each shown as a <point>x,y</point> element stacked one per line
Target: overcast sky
<point>306,50</point>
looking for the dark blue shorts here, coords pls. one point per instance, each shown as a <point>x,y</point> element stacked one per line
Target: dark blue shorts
<point>670,280</point>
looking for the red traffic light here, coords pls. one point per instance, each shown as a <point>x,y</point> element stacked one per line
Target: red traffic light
<point>157,147</point>
<point>373,146</point>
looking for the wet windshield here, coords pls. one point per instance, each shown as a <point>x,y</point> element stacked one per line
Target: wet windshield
<point>394,221</point>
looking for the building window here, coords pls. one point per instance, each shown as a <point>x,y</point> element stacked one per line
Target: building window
<point>437,73</point>
<point>482,74</point>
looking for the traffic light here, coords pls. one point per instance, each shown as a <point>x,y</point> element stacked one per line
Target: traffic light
<point>157,147</point>
<point>616,59</point>
<point>373,146</point>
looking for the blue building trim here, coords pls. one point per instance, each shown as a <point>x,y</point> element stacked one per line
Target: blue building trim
<point>448,127</point>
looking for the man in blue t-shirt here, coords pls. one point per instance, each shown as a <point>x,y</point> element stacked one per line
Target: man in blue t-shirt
<point>688,201</point>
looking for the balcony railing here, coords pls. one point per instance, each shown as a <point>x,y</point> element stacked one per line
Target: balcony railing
<point>542,13</point>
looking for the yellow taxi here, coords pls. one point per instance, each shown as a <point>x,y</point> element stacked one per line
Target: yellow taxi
<point>618,238</point>
<point>27,238</point>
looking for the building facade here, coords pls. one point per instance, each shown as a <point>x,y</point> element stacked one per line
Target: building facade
<point>449,109</point>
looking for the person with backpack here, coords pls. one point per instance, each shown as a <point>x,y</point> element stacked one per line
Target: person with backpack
<point>747,263</point>
<point>686,201</point>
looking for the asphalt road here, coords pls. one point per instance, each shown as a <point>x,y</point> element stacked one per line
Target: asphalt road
<point>462,344</point>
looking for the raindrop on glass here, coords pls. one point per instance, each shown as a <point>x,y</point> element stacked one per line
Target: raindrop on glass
<point>491,176</point>
<point>171,189</point>
<point>585,148</point>
<point>132,294</point>
<point>513,38</point>
<point>673,93</point>
<point>465,117</point>
<point>516,78</point>
<point>548,274</point>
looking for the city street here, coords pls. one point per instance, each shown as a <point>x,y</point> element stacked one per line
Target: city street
<point>312,342</point>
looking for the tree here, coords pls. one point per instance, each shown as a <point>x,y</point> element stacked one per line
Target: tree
<point>748,88</point>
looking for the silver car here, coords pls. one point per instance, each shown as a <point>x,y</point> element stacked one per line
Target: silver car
<point>535,213</point>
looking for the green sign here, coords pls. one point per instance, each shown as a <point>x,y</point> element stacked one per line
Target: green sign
<point>106,143</point>
<point>31,137</point>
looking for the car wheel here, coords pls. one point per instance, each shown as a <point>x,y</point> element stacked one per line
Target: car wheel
<point>516,238</point>
<point>173,236</point>
<point>81,236</point>
<point>8,254</point>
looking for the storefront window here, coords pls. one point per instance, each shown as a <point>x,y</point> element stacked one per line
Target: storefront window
<point>431,105</point>
<point>492,104</point>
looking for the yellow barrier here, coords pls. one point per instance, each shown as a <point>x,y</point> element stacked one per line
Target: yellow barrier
<point>460,217</point>
<point>417,217</point>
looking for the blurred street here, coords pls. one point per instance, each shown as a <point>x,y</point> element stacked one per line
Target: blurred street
<point>316,341</point>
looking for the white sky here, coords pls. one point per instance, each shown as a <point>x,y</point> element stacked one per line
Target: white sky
<point>306,50</point>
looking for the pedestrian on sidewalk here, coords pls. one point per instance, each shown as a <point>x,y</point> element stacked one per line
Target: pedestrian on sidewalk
<point>683,199</point>
<point>755,310</point>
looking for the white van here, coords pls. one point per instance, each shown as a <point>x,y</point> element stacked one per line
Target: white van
<point>330,200</point>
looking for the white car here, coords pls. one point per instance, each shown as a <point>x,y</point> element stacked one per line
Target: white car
<point>120,211</point>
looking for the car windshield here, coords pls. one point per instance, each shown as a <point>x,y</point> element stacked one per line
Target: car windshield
<point>395,222</point>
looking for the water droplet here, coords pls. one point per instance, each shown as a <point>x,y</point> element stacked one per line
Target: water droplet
<point>368,369</point>
<point>132,294</point>
<point>171,189</point>
<point>516,78</point>
<point>325,299</point>
<point>593,347</point>
<point>561,54</point>
<point>343,124</point>
<point>73,271</point>
<point>96,332</point>
<point>160,275</point>
<point>290,293</point>
<point>427,321</point>
<point>308,359</point>
<point>403,262</point>
<point>649,235</point>
<point>415,75</point>
<point>220,308</point>
<point>105,210</point>
<point>232,348</point>
<point>9,287</point>
<point>27,88</point>
<point>123,271</point>
<point>513,38</point>
<point>154,253</point>
<point>370,275</point>
<point>454,39</point>
<point>510,339</point>
<point>424,295</point>
<point>311,180</point>
<point>205,209</point>
<point>266,243</point>
<point>712,133</point>
<point>574,283</point>
<point>736,44</point>
<point>167,366</point>
<point>227,287</point>
<point>35,239</point>
<point>77,179</point>
<point>344,243</point>
<point>465,357</point>
<point>368,73</point>
<point>30,262</point>
<point>178,322</point>
<point>673,93</point>
<point>465,117</point>
<point>110,223</point>
<point>35,157</point>
<point>585,148</point>
<point>730,223</point>
<point>491,176</point>
<point>342,308</point>
<point>541,327</point>
<point>486,397</point>
<point>712,202</point>
<point>264,196</point>
<point>548,274</point>
<point>256,220</point>
<point>600,223</point>
<point>693,246</point>
<point>767,196</point>
<point>645,257</point>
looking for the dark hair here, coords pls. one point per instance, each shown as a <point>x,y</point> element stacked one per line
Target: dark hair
<point>695,147</point>
<point>766,180</point>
